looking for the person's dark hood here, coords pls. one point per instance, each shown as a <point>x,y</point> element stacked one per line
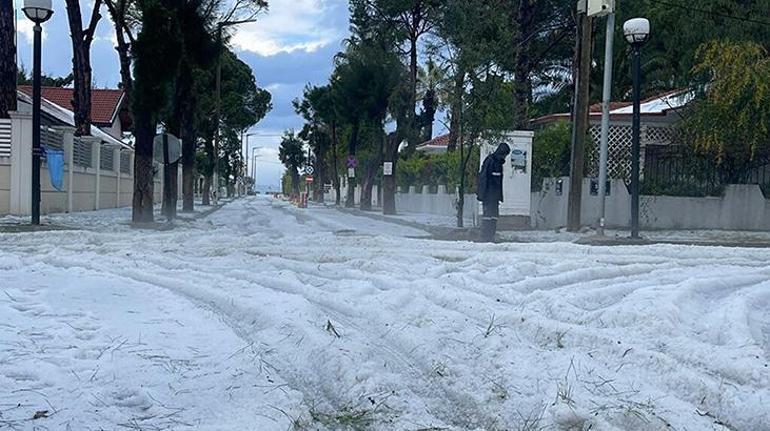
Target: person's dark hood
<point>502,151</point>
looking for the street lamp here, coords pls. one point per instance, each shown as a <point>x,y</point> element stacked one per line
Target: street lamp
<point>38,11</point>
<point>637,33</point>
<point>220,28</point>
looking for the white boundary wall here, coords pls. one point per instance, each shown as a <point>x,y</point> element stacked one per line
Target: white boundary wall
<point>742,207</point>
<point>81,185</point>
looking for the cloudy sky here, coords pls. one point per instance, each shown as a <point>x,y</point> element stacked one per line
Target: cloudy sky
<point>291,45</point>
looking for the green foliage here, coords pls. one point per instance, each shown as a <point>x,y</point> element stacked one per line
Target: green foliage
<point>24,78</point>
<point>292,155</point>
<point>551,152</point>
<point>243,102</point>
<point>730,119</point>
<point>157,52</point>
<point>437,169</point>
<point>364,79</point>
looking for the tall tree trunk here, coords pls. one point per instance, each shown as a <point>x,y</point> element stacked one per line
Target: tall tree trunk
<point>320,168</point>
<point>336,179</point>
<point>124,55</point>
<point>180,125</point>
<point>8,71</point>
<point>81,63</point>
<point>372,167</point>
<point>173,198</point>
<point>144,130</point>
<point>209,147</point>
<point>351,199</point>
<point>189,145</point>
<point>457,103</point>
<point>413,137</point>
<point>295,181</point>
<point>525,17</point>
<point>429,111</point>
<point>389,184</point>
<point>206,192</point>
<point>117,10</point>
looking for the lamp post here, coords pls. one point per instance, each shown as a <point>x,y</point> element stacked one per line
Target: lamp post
<point>637,33</point>
<point>246,170</point>
<point>38,11</point>
<point>220,27</point>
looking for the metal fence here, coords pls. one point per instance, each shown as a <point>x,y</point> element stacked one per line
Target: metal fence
<point>51,138</point>
<point>5,138</point>
<point>82,153</point>
<point>125,162</point>
<point>679,171</point>
<point>107,159</point>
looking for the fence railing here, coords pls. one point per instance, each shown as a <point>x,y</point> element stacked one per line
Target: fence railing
<point>82,153</point>
<point>125,162</point>
<point>679,171</point>
<point>5,138</point>
<point>107,159</point>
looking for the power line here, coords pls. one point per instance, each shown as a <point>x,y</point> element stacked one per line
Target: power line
<point>710,12</point>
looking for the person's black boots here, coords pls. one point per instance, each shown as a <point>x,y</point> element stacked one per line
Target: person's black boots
<point>488,227</point>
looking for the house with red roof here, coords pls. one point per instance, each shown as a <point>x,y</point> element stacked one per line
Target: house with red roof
<point>89,172</point>
<point>109,110</point>
<point>437,145</point>
<point>659,116</point>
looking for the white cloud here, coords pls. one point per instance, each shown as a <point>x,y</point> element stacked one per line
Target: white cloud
<point>25,29</point>
<point>293,25</point>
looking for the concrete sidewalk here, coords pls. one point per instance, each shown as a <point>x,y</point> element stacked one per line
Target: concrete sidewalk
<point>704,238</point>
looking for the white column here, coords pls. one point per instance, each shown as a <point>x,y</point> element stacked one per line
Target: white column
<point>116,167</point>
<point>69,147</point>
<point>21,163</point>
<point>179,180</point>
<point>96,153</point>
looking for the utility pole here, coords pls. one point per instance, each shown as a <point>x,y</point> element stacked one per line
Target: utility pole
<point>606,100</point>
<point>579,117</point>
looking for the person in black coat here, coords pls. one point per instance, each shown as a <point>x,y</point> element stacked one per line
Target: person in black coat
<point>490,190</point>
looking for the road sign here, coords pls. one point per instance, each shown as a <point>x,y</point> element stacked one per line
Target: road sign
<point>387,168</point>
<point>309,170</point>
<point>174,148</point>
<point>309,179</point>
<point>352,162</point>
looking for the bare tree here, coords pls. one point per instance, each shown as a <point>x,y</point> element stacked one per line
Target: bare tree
<point>81,63</point>
<point>120,12</point>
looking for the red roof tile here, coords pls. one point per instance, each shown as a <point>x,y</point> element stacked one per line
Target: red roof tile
<point>439,141</point>
<point>597,107</point>
<point>104,102</point>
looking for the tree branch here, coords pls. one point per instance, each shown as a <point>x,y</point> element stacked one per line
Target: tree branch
<point>88,35</point>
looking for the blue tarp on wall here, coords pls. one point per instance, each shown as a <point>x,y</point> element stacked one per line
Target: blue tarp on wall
<point>55,161</point>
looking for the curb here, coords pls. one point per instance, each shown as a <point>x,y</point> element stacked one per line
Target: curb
<point>436,232</point>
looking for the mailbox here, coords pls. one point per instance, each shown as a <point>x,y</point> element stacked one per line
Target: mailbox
<point>517,171</point>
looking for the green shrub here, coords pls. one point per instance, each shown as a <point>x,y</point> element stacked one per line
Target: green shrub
<point>551,153</point>
<point>437,169</point>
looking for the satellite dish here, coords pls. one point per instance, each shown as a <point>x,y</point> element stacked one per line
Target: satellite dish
<point>174,148</point>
